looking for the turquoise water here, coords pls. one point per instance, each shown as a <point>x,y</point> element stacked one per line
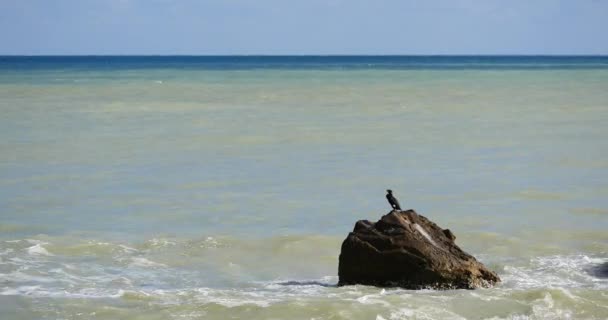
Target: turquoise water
<point>164,188</point>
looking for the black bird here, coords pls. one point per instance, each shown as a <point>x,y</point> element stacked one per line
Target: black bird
<point>392,200</point>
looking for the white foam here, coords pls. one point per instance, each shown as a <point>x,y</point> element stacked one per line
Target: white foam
<point>594,260</point>
<point>372,299</point>
<point>99,243</point>
<point>38,249</point>
<point>484,297</point>
<point>402,313</point>
<point>34,241</point>
<point>161,242</point>
<point>554,272</point>
<point>231,298</point>
<point>210,242</point>
<point>143,262</point>
<point>19,276</point>
<point>127,249</point>
<point>423,312</point>
<point>70,267</point>
<point>38,291</point>
<point>23,290</point>
<point>545,309</point>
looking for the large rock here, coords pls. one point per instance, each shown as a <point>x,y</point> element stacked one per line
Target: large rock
<point>407,250</point>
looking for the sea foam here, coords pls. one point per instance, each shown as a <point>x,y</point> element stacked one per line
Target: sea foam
<point>38,249</point>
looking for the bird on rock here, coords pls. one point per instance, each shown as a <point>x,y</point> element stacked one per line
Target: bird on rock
<point>392,200</point>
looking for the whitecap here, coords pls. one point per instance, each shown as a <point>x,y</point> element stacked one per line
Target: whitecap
<point>372,299</point>
<point>34,241</point>
<point>20,276</point>
<point>544,308</point>
<point>99,243</point>
<point>127,249</point>
<point>594,260</point>
<point>485,297</point>
<point>210,242</point>
<point>162,242</point>
<point>143,262</point>
<point>23,290</point>
<point>402,313</point>
<point>554,272</point>
<point>70,267</point>
<point>227,298</point>
<point>38,249</point>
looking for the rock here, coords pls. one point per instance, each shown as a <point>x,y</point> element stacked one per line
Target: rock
<point>600,270</point>
<point>407,250</point>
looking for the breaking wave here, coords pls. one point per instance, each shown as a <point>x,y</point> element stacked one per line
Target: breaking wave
<point>220,273</point>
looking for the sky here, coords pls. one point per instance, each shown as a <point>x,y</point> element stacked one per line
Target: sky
<point>275,27</point>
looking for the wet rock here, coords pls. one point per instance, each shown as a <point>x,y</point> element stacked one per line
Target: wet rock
<point>407,250</point>
<point>600,270</point>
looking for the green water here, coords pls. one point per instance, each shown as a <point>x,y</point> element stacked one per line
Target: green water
<point>217,194</point>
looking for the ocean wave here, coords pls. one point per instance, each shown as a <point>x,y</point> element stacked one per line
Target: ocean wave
<point>347,301</point>
<point>159,243</point>
<point>143,262</point>
<point>224,273</point>
<point>38,249</point>
<point>40,292</point>
<point>555,271</point>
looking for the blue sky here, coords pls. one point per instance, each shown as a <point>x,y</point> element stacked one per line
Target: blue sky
<point>303,27</point>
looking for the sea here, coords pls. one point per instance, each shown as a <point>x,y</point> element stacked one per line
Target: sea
<point>222,187</point>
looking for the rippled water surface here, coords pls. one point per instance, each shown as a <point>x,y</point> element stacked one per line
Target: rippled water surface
<point>185,190</point>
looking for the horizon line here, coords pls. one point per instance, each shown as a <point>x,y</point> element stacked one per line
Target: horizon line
<point>304,55</point>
